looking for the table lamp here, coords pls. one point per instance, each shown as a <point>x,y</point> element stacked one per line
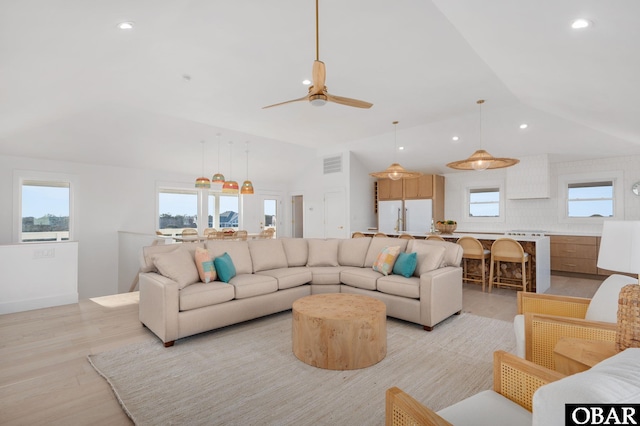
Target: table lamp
<point>620,252</point>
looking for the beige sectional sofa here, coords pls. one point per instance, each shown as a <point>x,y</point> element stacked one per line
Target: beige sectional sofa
<point>272,274</point>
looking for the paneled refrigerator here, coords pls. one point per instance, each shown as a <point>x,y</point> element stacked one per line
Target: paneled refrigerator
<point>413,216</point>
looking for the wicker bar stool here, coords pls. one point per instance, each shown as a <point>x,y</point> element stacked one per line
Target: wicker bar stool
<point>435,237</point>
<point>406,237</point>
<point>509,250</point>
<point>473,249</point>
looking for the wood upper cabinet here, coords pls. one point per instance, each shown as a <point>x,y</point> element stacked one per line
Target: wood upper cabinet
<point>418,188</point>
<point>390,189</point>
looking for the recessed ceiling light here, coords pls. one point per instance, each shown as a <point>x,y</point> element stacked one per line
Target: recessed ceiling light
<point>306,82</point>
<point>580,23</point>
<point>455,138</point>
<point>524,125</point>
<point>125,25</point>
<point>401,148</point>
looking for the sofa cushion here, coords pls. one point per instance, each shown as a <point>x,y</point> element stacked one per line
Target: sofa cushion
<point>405,264</point>
<point>365,278</point>
<point>204,263</point>
<point>352,251</point>
<point>376,246</point>
<point>323,252</point>
<point>289,277</point>
<point>400,286</point>
<point>614,380</point>
<point>238,250</point>
<point>250,285</point>
<point>386,259</point>
<point>148,252</point>
<point>452,255</point>
<point>487,408</point>
<point>199,295</point>
<point>604,303</point>
<point>177,265</point>
<point>267,254</point>
<point>297,251</point>
<point>327,274</point>
<point>224,267</point>
<point>429,257</point>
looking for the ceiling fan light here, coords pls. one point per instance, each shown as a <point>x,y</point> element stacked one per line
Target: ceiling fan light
<point>318,100</point>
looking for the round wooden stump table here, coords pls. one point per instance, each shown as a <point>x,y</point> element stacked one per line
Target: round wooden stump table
<point>339,331</point>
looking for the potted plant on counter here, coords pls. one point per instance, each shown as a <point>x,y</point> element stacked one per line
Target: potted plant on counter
<point>446,226</point>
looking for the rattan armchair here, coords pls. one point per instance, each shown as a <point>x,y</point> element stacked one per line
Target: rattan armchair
<point>514,379</point>
<point>543,319</point>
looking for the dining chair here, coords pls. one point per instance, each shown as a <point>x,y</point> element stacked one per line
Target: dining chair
<point>241,235</point>
<point>189,232</point>
<point>210,233</point>
<point>267,233</point>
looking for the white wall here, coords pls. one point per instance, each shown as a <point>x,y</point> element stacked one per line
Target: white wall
<point>542,213</point>
<point>38,275</point>
<point>108,199</point>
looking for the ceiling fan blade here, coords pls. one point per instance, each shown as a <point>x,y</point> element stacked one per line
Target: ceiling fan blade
<point>319,74</point>
<point>348,101</point>
<point>304,98</point>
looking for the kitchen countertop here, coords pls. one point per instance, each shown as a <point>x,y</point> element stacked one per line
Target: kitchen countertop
<point>461,234</point>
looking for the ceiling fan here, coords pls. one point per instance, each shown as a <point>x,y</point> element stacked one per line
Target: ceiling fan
<point>318,94</point>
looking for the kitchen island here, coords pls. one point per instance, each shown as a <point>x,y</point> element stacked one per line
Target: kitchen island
<point>538,247</point>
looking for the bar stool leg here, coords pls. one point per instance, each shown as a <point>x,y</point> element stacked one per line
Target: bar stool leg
<point>491,276</point>
<point>484,274</point>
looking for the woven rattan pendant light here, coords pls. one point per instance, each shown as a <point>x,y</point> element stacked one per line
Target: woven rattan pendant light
<point>395,171</point>
<point>230,186</point>
<point>481,159</point>
<point>247,186</point>
<point>203,182</point>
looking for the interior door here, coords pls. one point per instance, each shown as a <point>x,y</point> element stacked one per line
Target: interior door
<point>335,215</point>
<point>297,216</point>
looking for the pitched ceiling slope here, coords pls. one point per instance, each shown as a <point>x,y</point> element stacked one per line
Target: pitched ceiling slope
<point>71,82</point>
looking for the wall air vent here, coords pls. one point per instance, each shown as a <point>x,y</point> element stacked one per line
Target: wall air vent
<point>332,165</point>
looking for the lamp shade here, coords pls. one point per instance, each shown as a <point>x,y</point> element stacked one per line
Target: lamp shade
<point>203,182</point>
<point>230,187</point>
<point>620,246</point>
<point>218,178</point>
<point>247,188</point>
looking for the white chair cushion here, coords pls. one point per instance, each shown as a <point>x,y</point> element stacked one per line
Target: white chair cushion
<point>518,328</point>
<point>486,408</point>
<point>614,380</point>
<point>604,304</point>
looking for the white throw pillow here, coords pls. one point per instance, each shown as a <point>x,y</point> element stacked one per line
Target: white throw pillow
<point>604,304</point>
<point>178,265</point>
<point>429,257</point>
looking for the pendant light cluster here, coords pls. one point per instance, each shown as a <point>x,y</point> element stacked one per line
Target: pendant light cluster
<point>395,171</point>
<point>228,186</point>
<point>481,159</point>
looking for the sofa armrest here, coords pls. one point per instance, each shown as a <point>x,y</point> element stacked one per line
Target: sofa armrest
<point>518,379</point>
<point>159,306</point>
<point>564,306</point>
<point>440,294</point>
<point>401,409</point>
<point>542,332</point>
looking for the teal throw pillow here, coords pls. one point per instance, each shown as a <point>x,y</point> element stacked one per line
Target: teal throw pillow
<point>224,267</point>
<point>405,264</point>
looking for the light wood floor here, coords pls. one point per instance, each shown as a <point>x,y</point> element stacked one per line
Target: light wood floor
<point>45,377</point>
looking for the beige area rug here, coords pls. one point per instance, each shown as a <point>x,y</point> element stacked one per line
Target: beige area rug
<point>247,374</point>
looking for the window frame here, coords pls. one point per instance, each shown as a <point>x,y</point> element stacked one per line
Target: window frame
<point>495,184</point>
<point>22,176</point>
<point>564,181</point>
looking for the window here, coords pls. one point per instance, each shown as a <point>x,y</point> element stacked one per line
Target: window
<point>484,202</point>
<point>177,210</point>
<point>45,211</point>
<point>225,210</point>
<point>590,199</point>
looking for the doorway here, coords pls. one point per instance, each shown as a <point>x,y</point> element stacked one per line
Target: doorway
<point>270,214</point>
<point>297,215</point>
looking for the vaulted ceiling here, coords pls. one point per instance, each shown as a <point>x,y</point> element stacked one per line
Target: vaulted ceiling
<point>73,86</point>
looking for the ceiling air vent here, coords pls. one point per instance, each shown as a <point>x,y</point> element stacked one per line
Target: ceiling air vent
<point>332,165</point>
